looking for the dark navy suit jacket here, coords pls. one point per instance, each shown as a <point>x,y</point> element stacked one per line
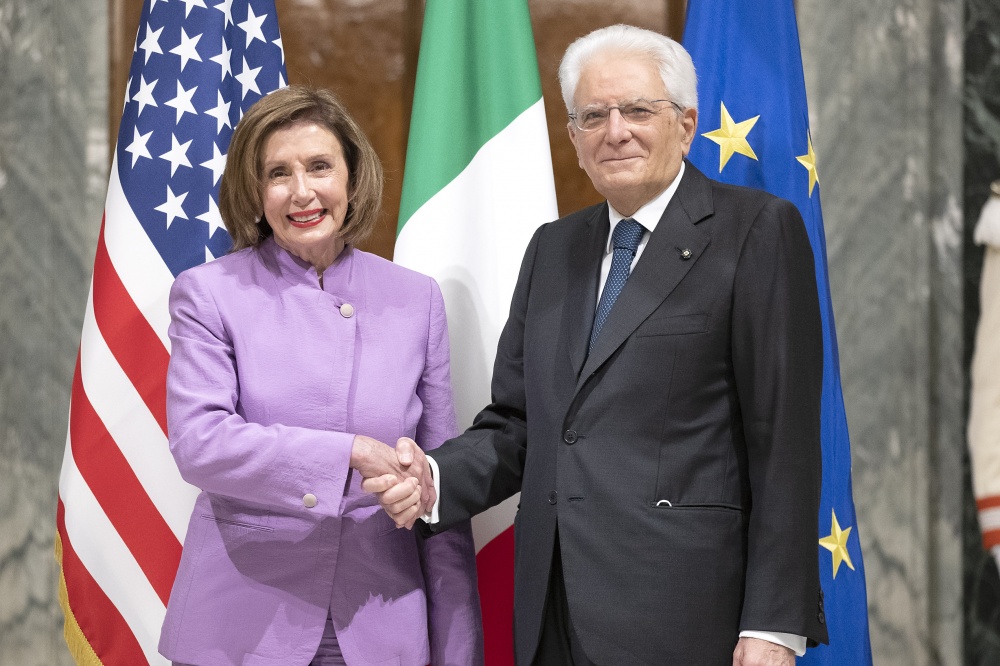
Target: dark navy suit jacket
<point>681,457</point>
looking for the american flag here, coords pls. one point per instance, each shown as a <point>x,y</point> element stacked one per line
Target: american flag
<point>123,509</point>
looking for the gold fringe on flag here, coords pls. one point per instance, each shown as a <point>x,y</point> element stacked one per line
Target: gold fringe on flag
<point>79,647</point>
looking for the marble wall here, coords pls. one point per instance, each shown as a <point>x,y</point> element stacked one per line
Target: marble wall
<point>885,80</point>
<point>982,165</point>
<point>53,156</point>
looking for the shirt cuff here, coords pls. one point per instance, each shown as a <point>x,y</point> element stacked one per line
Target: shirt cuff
<point>796,644</point>
<point>434,517</point>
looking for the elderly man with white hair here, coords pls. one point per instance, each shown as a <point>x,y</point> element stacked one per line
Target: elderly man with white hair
<point>656,398</point>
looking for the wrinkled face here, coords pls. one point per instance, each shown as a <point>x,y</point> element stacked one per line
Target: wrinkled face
<point>304,183</point>
<point>629,164</point>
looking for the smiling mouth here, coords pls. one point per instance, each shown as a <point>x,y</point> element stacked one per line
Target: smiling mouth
<point>307,218</point>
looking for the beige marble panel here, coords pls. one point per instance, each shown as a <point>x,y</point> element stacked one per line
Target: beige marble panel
<point>884,80</point>
<point>53,152</point>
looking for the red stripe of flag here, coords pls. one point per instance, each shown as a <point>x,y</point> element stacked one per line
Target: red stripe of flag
<point>131,339</point>
<point>121,496</point>
<point>99,620</point>
<point>495,562</point>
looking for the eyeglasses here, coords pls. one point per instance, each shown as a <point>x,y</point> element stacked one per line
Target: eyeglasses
<point>639,112</point>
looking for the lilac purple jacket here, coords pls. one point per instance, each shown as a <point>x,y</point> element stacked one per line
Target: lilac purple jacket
<point>270,378</point>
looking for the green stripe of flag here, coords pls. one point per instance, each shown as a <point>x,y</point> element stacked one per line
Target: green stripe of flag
<point>476,73</point>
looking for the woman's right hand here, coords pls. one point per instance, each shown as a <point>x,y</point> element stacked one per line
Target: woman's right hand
<point>377,462</point>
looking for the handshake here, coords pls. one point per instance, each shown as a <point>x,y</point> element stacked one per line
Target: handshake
<point>400,477</point>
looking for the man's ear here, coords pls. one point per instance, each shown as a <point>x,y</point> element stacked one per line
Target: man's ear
<point>689,121</point>
<point>574,133</point>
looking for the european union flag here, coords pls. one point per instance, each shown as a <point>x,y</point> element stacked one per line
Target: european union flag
<point>754,130</point>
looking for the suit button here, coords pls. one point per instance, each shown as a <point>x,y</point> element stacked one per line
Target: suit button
<point>309,500</point>
<point>553,497</point>
<point>347,310</point>
<point>821,617</point>
<point>570,437</point>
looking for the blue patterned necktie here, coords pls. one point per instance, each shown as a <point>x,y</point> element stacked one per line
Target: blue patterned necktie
<point>625,240</point>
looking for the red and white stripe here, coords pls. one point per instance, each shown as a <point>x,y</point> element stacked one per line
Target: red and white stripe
<point>989,520</point>
<point>123,508</point>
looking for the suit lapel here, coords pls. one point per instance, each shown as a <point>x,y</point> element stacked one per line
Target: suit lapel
<point>583,271</point>
<point>663,264</point>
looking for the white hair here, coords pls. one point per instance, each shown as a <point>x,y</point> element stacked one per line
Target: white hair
<point>671,59</point>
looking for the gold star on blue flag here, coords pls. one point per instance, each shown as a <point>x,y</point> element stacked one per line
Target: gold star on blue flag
<point>732,137</point>
<point>809,162</point>
<point>836,543</point>
<point>747,53</point>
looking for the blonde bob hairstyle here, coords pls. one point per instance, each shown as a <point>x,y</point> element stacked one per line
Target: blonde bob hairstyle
<point>241,200</point>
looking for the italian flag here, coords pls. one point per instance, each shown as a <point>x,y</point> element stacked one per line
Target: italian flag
<point>478,182</point>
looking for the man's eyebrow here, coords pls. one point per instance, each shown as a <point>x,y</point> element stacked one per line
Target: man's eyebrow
<point>621,102</point>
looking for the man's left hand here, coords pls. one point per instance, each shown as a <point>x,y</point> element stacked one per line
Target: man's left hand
<point>758,652</point>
